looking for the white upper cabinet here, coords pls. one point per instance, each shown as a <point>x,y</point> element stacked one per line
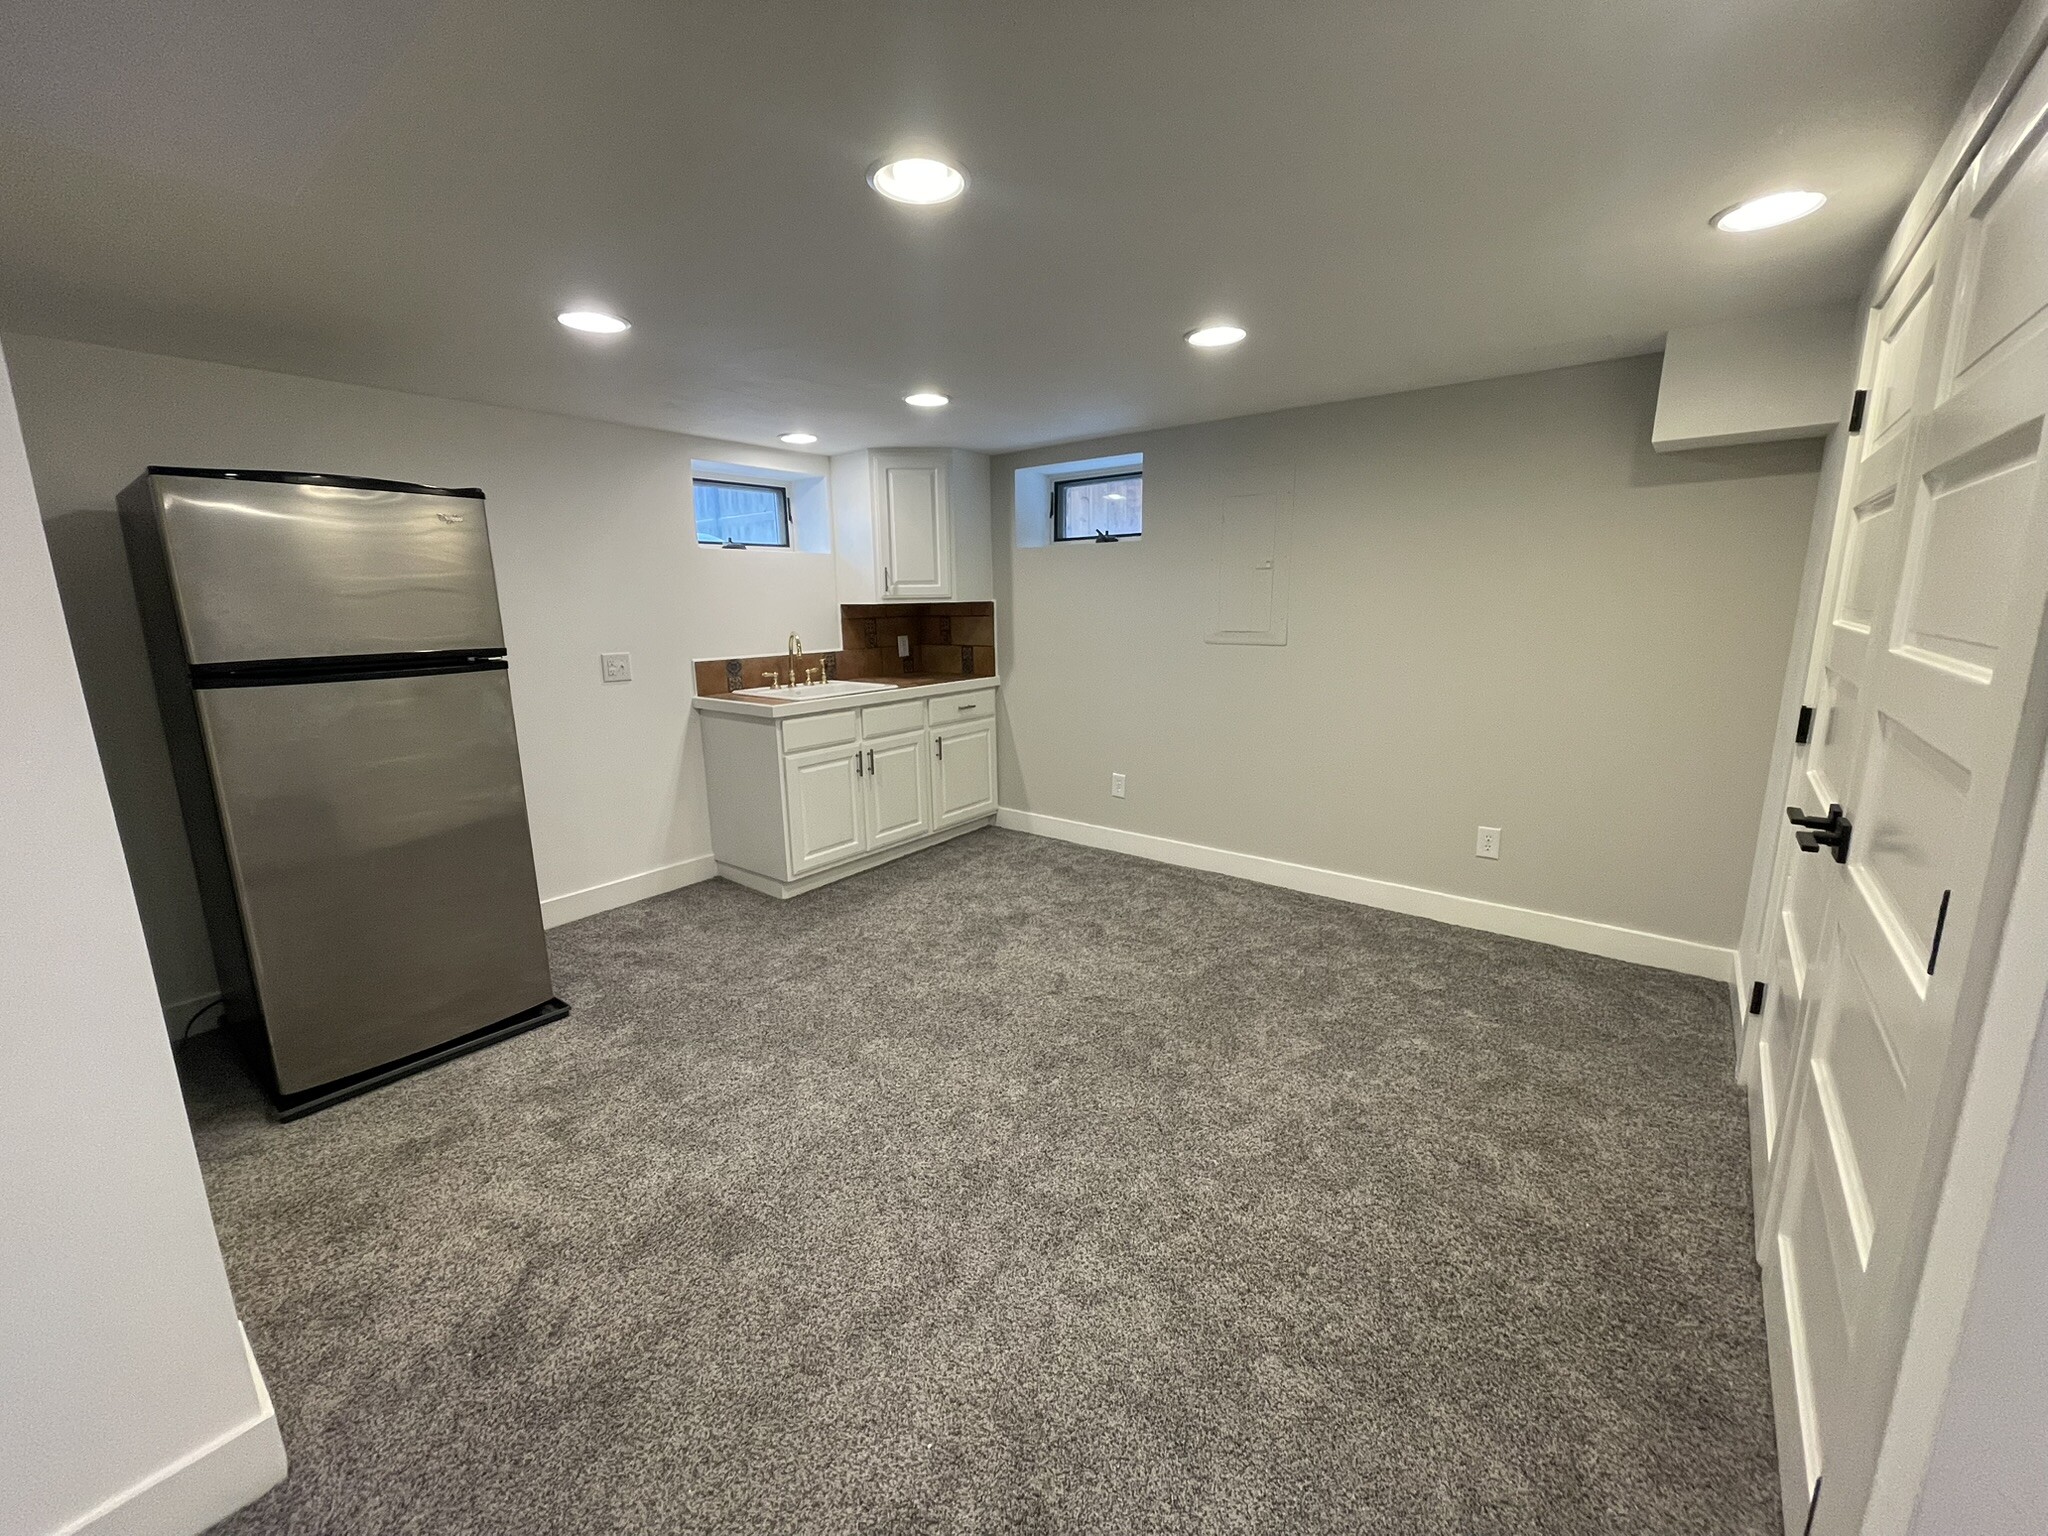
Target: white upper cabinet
<point>911,525</point>
<point>916,527</point>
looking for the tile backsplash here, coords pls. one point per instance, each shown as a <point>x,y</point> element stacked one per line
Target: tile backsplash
<point>946,640</point>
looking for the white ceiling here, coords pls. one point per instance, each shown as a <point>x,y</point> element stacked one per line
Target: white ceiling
<point>1387,193</point>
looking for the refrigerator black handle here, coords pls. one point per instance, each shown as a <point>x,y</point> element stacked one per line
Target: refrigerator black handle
<point>289,670</point>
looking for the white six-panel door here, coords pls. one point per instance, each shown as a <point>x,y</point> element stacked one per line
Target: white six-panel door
<point>1929,700</point>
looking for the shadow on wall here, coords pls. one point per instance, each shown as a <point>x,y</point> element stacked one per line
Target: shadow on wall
<point>1737,461</point>
<point>106,636</point>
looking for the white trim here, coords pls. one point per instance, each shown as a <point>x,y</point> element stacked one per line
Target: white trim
<point>1616,943</point>
<point>569,906</point>
<point>204,1486</point>
<point>1738,998</point>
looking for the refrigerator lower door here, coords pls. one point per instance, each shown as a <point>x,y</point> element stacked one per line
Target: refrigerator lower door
<point>377,833</point>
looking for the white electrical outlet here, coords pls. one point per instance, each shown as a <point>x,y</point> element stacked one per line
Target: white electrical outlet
<point>1489,842</point>
<point>1116,785</point>
<point>903,646</point>
<point>618,666</point>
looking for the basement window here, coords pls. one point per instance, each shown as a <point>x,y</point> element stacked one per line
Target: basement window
<point>1101,507</point>
<point>737,515</point>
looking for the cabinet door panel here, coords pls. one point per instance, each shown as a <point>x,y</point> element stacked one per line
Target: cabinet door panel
<point>899,797</point>
<point>822,790</point>
<point>964,770</point>
<point>917,534</point>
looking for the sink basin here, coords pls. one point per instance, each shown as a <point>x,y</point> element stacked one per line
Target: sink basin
<point>831,690</point>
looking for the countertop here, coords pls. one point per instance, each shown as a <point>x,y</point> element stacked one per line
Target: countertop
<point>758,708</point>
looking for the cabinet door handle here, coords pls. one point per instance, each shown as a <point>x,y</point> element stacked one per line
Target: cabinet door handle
<point>871,759</point>
<point>940,743</point>
<point>886,587</point>
<point>856,765</point>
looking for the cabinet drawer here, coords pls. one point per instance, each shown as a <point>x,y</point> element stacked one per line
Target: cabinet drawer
<point>963,706</point>
<point>891,719</point>
<point>829,730</point>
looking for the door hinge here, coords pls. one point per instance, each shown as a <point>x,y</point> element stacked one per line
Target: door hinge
<point>1857,405</point>
<point>1812,1508</point>
<point>1802,733</point>
<point>1940,922</point>
<point>1756,997</point>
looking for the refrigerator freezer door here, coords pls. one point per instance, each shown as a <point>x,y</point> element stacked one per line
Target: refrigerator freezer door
<point>268,571</point>
<point>377,833</point>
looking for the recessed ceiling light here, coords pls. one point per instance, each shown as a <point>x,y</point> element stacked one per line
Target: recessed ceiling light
<point>929,399</point>
<point>595,321</point>
<point>917,180</point>
<point>1768,212</point>
<point>1215,336</point>
<point>799,439</point>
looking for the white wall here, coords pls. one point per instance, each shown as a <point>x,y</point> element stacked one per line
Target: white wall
<point>595,548</point>
<point>1756,380</point>
<point>1502,608</point>
<point>120,1356</point>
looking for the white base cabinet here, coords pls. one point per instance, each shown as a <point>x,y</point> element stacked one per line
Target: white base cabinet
<point>799,802</point>
<point>822,793</point>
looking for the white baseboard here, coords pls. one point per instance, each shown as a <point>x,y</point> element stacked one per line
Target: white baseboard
<point>557,910</point>
<point>1631,944</point>
<point>175,1015</point>
<point>200,1488</point>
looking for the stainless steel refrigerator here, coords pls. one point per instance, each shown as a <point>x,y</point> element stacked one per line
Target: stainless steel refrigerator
<point>332,672</point>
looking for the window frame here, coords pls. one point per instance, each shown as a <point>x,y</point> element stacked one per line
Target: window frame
<point>782,494</point>
<point>1058,489</point>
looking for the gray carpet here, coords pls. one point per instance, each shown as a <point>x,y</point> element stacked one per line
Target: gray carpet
<point>1021,1187</point>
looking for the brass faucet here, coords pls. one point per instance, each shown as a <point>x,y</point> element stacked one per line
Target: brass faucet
<point>796,656</point>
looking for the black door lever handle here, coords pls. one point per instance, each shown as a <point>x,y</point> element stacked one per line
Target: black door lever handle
<point>1799,818</point>
<point>1830,832</point>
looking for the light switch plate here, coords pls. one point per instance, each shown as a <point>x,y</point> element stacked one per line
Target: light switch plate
<point>903,646</point>
<point>618,666</point>
<point>1116,785</point>
<point>1489,842</point>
